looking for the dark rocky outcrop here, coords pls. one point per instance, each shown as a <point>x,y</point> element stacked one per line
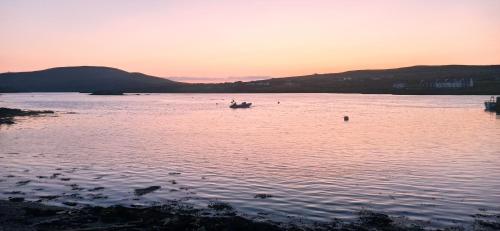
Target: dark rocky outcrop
<point>142,191</point>
<point>7,115</point>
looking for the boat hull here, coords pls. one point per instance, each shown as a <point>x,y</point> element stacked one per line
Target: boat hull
<point>490,106</point>
<point>243,105</point>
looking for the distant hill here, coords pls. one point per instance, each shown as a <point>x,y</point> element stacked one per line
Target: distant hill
<point>84,79</point>
<point>449,79</point>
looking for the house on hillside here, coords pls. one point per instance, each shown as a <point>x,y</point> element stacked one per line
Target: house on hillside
<point>454,83</point>
<point>447,83</point>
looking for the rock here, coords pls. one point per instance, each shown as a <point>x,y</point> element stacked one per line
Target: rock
<point>16,199</point>
<point>51,197</point>
<point>263,196</point>
<point>7,114</point>
<point>220,206</point>
<point>69,203</point>
<point>142,191</point>
<point>97,196</point>
<point>24,182</point>
<point>75,187</point>
<point>372,219</point>
<point>7,121</point>
<point>41,211</point>
<point>55,175</point>
<point>96,189</point>
<point>75,196</point>
<point>14,193</point>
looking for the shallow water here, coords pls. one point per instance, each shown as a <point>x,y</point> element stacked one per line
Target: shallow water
<point>429,158</point>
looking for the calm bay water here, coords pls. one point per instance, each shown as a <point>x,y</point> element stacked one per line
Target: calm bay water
<point>430,158</point>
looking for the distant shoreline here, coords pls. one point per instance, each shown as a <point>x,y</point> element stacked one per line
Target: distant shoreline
<point>414,80</point>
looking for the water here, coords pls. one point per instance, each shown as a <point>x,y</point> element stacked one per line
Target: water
<point>429,158</point>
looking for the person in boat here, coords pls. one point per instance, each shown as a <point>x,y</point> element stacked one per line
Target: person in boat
<point>241,105</point>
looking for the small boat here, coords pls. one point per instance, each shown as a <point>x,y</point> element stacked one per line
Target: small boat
<point>491,104</point>
<point>234,105</point>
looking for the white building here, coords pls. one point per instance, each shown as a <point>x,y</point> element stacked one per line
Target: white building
<point>454,83</point>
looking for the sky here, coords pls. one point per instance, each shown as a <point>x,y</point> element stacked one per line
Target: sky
<point>229,39</point>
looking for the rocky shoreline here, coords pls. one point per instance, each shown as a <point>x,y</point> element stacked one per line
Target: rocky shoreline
<point>7,115</point>
<point>22,215</point>
<point>36,216</point>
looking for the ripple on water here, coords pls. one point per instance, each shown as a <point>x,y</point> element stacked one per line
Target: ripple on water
<point>408,156</point>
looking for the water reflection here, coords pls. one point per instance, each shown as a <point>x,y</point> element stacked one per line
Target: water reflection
<point>425,157</point>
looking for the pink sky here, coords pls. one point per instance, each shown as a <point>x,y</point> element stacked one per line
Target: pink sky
<point>219,39</point>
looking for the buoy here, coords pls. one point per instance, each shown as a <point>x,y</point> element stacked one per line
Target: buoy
<point>346,118</point>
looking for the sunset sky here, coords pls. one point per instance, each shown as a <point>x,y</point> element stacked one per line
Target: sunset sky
<point>241,38</point>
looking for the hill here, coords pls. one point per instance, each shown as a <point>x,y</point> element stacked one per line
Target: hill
<point>84,79</point>
<point>450,79</point>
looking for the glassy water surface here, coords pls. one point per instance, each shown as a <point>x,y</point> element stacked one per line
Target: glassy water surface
<point>430,158</point>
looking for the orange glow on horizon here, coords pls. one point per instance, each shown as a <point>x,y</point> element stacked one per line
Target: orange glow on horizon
<point>242,38</point>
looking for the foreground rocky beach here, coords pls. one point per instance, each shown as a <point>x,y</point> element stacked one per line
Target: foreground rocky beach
<point>21,215</point>
<point>36,216</point>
